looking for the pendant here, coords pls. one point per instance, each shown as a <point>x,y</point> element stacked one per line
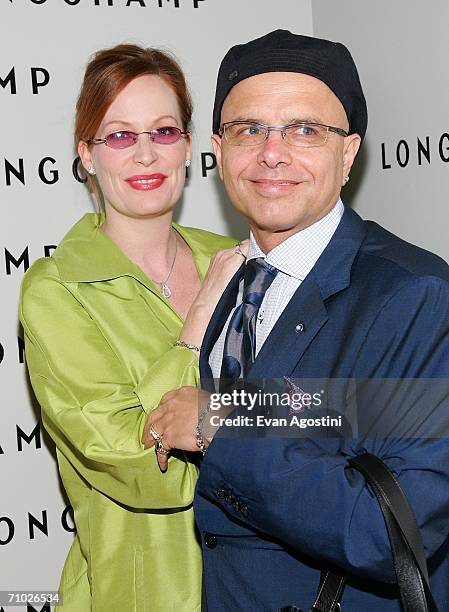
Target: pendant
<point>165,290</point>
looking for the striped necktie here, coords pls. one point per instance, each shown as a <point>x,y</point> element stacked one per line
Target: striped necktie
<point>240,342</point>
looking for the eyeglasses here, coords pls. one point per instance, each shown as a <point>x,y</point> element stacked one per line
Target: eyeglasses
<point>123,139</point>
<point>250,133</point>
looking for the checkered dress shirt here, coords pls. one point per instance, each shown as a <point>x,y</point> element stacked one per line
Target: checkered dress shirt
<point>294,258</point>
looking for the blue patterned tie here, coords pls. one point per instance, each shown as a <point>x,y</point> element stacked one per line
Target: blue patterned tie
<point>240,342</point>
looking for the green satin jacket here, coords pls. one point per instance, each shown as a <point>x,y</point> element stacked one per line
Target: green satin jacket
<point>99,347</point>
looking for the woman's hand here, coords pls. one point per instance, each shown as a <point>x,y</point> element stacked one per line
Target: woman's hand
<point>222,268</point>
<point>174,422</point>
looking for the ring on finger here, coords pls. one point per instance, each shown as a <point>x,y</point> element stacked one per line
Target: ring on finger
<point>160,448</point>
<point>153,433</point>
<point>238,249</point>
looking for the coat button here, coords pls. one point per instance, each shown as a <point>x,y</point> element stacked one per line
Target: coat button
<point>237,505</point>
<point>230,498</point>
<point>220,493</point>
<point>244,510</point>
<point>210,540</point>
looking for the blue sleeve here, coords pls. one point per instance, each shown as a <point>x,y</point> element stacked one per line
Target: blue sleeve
<point>301,491</point>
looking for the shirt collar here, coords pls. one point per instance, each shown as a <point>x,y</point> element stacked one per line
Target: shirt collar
<point>297,255</point>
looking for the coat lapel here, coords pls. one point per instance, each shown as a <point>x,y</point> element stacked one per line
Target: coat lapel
<point>306,312</point>
<point>295,329</point>
<point>217,322</point>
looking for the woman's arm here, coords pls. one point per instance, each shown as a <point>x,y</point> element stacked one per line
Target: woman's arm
<point>223,265</point>
<point>89,404</point>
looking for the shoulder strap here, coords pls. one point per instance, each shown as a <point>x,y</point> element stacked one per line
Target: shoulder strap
<point>405,539</point>
<point>330,591</point>
<point>387,486</point>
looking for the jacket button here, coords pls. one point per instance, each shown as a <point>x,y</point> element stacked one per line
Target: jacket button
<point>210,540</point>
<point>244,510</point>
<point>230,499</point>
<point>220,493</point>
<point>237,505</point>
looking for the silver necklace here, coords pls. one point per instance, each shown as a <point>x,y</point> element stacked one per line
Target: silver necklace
<point>165,289</point>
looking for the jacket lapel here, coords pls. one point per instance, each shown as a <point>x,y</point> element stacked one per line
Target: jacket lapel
<point>306,312</point>
<point>295,329</point>
<point>217,322</point>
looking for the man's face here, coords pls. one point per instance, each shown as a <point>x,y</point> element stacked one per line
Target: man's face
<point>282,188</point>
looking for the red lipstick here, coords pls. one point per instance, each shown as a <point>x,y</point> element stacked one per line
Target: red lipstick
<point>146,182</point>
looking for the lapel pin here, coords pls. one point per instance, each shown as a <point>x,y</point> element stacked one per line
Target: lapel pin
<point>299,328</point>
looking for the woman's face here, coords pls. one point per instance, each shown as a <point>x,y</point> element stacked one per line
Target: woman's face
<point>146,179</point>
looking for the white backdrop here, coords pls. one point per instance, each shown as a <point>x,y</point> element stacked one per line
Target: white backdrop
<point>46,44</point>
<point>400,49</point>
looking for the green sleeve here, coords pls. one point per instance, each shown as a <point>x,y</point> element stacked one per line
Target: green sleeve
<point>178,367</point>
<point>89,405</point>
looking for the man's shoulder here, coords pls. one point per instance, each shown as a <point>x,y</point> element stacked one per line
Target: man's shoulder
<point>383,250</point>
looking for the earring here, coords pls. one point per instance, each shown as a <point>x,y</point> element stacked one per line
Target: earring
<point>345,180</point>
<point>187,163</point>
<point>91,170</point>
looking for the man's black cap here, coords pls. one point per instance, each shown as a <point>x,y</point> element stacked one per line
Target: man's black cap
<point>282,51</point>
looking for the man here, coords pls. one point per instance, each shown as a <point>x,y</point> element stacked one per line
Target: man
<point>338,298</point>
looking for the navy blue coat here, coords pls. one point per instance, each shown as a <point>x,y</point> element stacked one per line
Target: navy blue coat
<point>271,510</point>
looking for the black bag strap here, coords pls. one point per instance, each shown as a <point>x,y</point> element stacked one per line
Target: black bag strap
<point>403,531</point>
<point>405,539</point>
<point>332,584</point>
<point>386,486</point>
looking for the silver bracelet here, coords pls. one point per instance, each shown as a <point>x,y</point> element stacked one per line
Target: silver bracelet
<point>192,347</point>
<point>199,440</point>
<point>198,429</point>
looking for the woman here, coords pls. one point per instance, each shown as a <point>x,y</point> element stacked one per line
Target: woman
<point>106,338</point>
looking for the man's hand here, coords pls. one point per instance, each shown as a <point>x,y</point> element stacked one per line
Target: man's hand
<point>174,421</point>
